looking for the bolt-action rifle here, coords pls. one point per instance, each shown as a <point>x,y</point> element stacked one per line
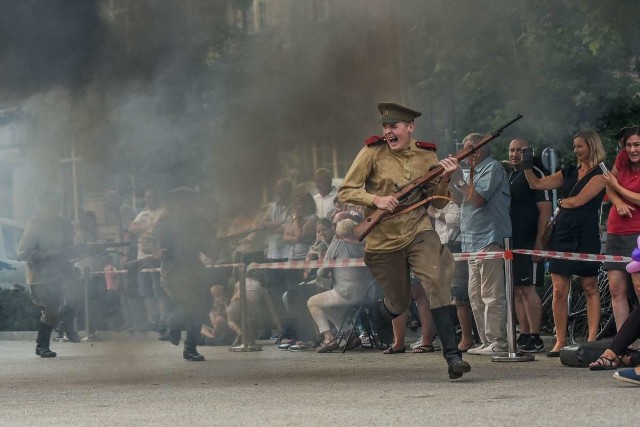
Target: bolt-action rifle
<point>369,223</point>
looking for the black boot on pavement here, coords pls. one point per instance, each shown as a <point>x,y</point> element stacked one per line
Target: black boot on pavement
<point>191,341</point>
<point>447,333</point>
<point>42,341</point>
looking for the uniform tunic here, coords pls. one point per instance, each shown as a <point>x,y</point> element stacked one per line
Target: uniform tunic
<point>407,240</point>
<point>379,171</point>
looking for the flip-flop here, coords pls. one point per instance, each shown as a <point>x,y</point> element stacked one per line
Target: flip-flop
<point>425,348</point>
<point>391,350</point>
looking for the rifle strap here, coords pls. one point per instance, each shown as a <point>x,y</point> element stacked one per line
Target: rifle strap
<point>415,206</point>
<point>472,165</point>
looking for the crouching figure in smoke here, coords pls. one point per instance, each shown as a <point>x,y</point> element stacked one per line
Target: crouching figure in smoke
<point>182,233</point>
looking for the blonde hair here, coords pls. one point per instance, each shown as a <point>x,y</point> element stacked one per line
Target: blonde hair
<point>596,149</point>
<point>344,227</point>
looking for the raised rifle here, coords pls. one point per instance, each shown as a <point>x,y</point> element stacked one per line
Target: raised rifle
<point>369,223</point>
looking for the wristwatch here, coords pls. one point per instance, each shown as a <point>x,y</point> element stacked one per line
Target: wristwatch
<point>461,183</point>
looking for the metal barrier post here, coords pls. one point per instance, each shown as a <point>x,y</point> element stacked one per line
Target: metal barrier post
<point>86,275</point>
<point>513,355</point>
<point>245,345</point>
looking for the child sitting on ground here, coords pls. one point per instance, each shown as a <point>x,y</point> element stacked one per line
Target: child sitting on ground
<point>219,333</point>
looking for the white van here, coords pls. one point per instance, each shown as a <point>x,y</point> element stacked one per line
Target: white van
<point>10,234</point>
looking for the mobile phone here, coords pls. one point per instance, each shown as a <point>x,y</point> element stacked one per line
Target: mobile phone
<point>604,168</point>
<point>527,154</point>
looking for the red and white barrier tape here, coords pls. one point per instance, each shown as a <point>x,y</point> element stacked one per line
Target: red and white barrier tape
<point>299,265</point>
<point>478,255</point>
<point>574,256</point>
<point>359,262</point>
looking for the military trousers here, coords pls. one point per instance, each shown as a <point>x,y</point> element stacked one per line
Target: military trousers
<point>50,297</point>
<point>430,261</point>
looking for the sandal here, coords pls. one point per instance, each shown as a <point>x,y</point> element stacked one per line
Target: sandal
<point>327,347</point>
<point>425,348</point>
<point>392,350</point>
<point>605,364</point>
<point>354,342</point>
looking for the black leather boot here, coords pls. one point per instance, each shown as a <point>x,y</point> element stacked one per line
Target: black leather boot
<point>42,341</point>
<point>382,321</point>
<point>174,335</point>
<point>191,341</point>
<point>446,331</point>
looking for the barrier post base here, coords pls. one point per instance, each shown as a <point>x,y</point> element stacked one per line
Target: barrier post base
<point>245,348</point>
<point>514,357</point>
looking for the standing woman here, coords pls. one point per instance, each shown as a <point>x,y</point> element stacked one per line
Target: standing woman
<point>623,226</point>
<point>576,230</point>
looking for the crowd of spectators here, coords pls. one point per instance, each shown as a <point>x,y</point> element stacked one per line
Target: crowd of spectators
<point>492,202</point>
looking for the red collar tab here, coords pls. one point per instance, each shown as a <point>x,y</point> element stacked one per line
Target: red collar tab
<point>427,145</point>
<point>373,140</point>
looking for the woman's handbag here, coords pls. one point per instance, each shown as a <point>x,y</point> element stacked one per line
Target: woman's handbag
<point>546,234</point>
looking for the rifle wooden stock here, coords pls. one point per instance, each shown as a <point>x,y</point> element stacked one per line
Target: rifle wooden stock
<point>369,223</point>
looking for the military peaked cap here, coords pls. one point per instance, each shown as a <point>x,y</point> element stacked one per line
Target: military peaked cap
<point>393,113</point>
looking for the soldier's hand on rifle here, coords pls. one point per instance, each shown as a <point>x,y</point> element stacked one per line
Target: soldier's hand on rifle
<point>452,169</point>
<point>388,203</point>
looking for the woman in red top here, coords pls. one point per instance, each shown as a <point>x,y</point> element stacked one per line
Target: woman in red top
<point>623,226</point>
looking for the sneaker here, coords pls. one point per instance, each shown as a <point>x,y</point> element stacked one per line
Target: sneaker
<point>286,344</point>
<point>437,345</point>
<point>522,341</point>
<point>475,350</point>
<point>628,375</point>
<point>417,343</point>
<point>492,349</point>
<point>303,346</point>
<point>533,345</point>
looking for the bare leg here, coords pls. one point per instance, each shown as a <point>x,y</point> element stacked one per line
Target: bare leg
<point>590,288</point>
<point>561,286</point>
<point>521,313</point>
<point>399,325</point>
<point>618,289</point>
<point>424,312</point>
<point>466,324</point>
<point>532,307</point>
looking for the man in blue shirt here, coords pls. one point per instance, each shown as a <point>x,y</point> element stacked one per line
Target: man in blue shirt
<point>484,224</point>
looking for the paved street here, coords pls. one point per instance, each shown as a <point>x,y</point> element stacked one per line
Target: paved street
<point>148,383</point>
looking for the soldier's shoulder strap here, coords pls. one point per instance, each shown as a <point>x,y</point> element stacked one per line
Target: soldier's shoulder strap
<point>427,145</point>
<point>373,140</point>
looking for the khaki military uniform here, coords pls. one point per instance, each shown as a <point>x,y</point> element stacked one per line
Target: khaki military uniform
<point>407,240</point>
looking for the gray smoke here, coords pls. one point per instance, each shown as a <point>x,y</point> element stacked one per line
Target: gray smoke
<point>180,93</point>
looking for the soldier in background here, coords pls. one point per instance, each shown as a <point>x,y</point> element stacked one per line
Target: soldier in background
<point>182,234</point>
<point>46,246</point>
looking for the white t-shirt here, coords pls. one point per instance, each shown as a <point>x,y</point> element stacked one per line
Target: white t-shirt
<point>324,205</point>
<point>146,218</point>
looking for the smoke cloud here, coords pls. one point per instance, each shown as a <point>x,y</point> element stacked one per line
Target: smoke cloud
<point>227,95</point>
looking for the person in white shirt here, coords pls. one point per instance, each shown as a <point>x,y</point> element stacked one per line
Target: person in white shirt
<point>326,193</point>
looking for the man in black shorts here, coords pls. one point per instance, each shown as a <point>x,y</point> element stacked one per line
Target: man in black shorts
<point>529,211</point>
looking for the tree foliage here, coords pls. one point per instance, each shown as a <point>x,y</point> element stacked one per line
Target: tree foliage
<point>564,64</point>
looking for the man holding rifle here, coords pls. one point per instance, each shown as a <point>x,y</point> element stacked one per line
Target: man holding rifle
<point>407,240</point>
